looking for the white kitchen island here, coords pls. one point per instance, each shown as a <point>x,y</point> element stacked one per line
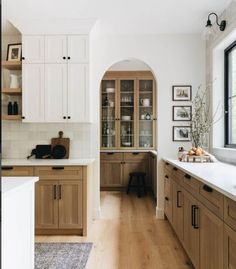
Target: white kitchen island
<point>18,222</point>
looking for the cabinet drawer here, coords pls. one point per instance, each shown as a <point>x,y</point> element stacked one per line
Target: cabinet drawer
<point>111,156</point>
<point>168,167</point>
<point>191,184</point>
<point>230,212</point>
<point>168,195</point>
<point>229,248</point>
<point>11,171</point>
<point>211,199</point>
<point>135,156</point>
<point>59,172</point>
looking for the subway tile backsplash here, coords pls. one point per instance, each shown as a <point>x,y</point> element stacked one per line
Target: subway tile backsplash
<point>18,139</point>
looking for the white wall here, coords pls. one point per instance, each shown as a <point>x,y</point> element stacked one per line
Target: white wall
<point>173,59</point>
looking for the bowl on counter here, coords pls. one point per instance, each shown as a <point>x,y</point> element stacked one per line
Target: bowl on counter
<point>110,90</point>
<point>126,144</point>
<point>126,117</point>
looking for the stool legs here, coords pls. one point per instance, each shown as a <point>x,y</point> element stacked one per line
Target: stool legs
<point>129,184</point>
<point>144,185</point>
<point>138,186</point>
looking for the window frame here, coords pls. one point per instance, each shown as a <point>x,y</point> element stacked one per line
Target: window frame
<point>226,95</point>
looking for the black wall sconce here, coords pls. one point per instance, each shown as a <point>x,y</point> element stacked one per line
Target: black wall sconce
<point>221,25</point>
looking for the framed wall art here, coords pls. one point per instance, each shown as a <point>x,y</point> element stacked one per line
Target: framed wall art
<point>182,113</point>
<point>14,52</point>
<point>182,133</point>
<point>182,93</point>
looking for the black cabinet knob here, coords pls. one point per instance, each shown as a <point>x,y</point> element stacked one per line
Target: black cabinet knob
<point>64,57</point>
<point>22,58</point>
<point>166,198</point>
<point>23,117</point>
<point>64,117</point>
<point>68,58</point>
<point>68,117</point>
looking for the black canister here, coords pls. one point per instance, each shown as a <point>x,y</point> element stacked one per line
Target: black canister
<point>15,108</point>
<point>9,108</point>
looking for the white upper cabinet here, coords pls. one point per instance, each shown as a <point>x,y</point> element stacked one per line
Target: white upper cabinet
<point>78,95</point>
<point>33,92</point>
<point>56,49</point>
<point>78,49</point>
<point>33,49</point>
<point>55,92</point>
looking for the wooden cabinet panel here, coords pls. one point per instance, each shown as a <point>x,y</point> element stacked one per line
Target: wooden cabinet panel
<point>56,49</point>
<point>153,173</point>
<point>46,205</point>
<point>78,49</point>
<point>17,171</point>
<point>59,172</point>
<point>111,156</point>
<point>111,174</point>
<point>230,212</point>
<point>33,93</point>
<point>55,92</point>
<point>135,156</point>
<point>191,184</point>
<point>178,210</point>
<point>211,199</point>
<point>78,93</point>
<point>211,240</point>
<point>191,239</point>
<point>229,248</point>
<point>168,196</point>
<point>33,48</point>
<point>70,204</point>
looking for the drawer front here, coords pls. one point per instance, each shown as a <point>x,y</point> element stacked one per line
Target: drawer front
<point>168,166</point>
<point>168,195</point>
<point>11,171</point>
<point>139,156</point>
<point>177,174</point>
<point>211,199</point>
<point>191,184</point>
<point>230,212</point>
<point>59,172</point>
<point>111,156</point>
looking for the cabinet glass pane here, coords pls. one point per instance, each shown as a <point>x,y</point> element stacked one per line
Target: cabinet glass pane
<point>108,114</point>
<point>127,113</point>
<point>145,114</point>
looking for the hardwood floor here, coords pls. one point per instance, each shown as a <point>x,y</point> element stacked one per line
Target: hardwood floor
<point>129,236</point>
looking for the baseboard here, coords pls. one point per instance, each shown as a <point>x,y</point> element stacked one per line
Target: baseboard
<point>159,213</point>
<point>97,213</point>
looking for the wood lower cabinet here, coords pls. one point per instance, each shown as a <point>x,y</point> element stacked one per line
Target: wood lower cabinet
<point>168,185</point>
<point>46,211</point>
<point>229,248</point>
<point>111,174</point>
<point>12,171</point>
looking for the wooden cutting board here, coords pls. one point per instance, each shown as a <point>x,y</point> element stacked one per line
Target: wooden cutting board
<point>61,141</point>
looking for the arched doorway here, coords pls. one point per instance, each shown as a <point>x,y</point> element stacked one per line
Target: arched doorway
<point>128,125</point>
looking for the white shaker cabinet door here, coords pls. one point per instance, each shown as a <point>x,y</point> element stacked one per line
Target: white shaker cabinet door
<point>77,49</point>
<point>56,49</point>
<point>55,92</point>
<point>33,93</point>
<point>78,94</point>
<point>33,49</point>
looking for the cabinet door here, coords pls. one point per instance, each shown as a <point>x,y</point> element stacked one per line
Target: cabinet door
<point>33,49</point>
<point>134,166</point>
<point>33,93</point>
<point>168,192</point>
<point>78,93</point>
<point>111,174</point>
<point>191,234</point>
<point>78,48</point>
<point>178,212</point>
<point>46,204</point>
<point>56,49</point>
<point>55,92</point>
<point>211,240</point>
<point>70,204</point>
<point>229,248</point>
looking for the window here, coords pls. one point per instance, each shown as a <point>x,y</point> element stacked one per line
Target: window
<point>230,96</point>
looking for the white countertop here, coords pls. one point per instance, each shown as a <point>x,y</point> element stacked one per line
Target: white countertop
<point>10,184</point>
<point>130,150</point>
<point>219,176</point>
<point>46,162</point>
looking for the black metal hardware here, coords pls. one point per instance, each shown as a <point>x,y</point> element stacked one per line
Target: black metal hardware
<point>192,215</point>
<point>68,58</point>
<point>187,176</point>
<point>64,57</point>
<point>166,176</point>
<point>195,214</point>
<point>55,191</point>
<point>22,58</point>
<point>207,188</point>
<point>166,198</point>
<point>23,117</point>
<point>110,153</point>
<point>177,200</point>
<point>59,192</point>
<point>135,153</point>
<point>175,168</point>
<point>58,167</point>
<point>68,117</point>
<point>64,117</point>
<point>7,168</point>
<point>167,163</point>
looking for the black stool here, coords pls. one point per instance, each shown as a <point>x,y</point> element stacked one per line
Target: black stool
<point>140,176</point>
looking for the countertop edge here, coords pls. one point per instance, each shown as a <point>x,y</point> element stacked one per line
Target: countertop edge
<point>205,181</point>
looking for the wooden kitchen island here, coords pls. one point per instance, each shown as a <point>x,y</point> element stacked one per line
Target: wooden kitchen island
<point>62,195</point>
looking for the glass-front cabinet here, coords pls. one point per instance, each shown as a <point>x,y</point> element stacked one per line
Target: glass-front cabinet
<point>128,111</point>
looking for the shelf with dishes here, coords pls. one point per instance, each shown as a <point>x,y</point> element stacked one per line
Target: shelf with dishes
<point>12,65</point>
<point>12,117</point>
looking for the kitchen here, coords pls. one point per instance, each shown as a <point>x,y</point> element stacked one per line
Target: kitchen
<point>109,88</point>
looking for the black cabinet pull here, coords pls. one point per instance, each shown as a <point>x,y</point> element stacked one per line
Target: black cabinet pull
<point>166,198</point>
<point>166,176</point>
<point>55,192</point>
<point>64,57</point>
<point>167,163</point>
<point>64,117</point>
<point>192,215</point>
<point>59,192</point>
<point>7,168</point>
<point>135,153</point>
<point>195,214</point>
<point>177,200</point>
<point>187,176</point>
<point>207,188</point>
<point>175,168</point>
<point>23,117</point>
<point>110,153</point>
<point>22,58</point>
<point>68,117</point>
<point>58,167</point>
<point>68,58</point>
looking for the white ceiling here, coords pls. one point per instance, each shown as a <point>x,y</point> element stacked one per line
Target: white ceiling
<point>122,16</point>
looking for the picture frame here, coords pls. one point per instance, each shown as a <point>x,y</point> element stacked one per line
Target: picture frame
<point>14,52</point>
<point>181,93</point>
<point>182,113</point>
<point>181,133</point>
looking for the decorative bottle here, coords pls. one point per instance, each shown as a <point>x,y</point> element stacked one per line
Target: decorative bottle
<point>9,108</point>
<point>15,108</point>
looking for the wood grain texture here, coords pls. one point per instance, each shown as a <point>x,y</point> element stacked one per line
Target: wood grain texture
<point>18,171</point>
<point>229,248</point>
<point>230,212</point>
<point>129,236</point>
<point>63,142</point>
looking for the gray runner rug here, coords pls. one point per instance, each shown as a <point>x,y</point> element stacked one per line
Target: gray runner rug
<point>62,255</point>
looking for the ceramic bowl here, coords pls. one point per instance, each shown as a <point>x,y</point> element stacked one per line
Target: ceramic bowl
<point>110,90</point>
<point>126,117</point>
